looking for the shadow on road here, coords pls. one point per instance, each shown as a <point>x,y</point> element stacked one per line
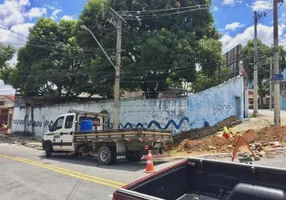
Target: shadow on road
<point>92,162</point>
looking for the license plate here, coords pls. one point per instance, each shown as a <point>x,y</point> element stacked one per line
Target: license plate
<point>120,157</point>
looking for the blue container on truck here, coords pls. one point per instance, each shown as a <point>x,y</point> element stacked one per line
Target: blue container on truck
<point>86,125</point>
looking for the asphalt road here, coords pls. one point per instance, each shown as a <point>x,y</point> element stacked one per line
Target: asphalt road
<point>27,175</point>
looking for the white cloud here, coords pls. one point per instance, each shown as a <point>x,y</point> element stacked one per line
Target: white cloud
<point>264,33</point>
<point>6,89</point>
<point>215,8</point>
<point>228,2</point>
<point>262,5</point>
<point>68,17</point>
<point>14,12</point>
<point>11,36</point>
<point>232,2</point>
<point>225,39</point>
<point>17,40</point>
<point>23,29</point>
<point>55,13</point>
<point>233,26</point>
<point>50,7</point>
<point>11,13</point>
<point>36,12</point>
<point>24,3</point>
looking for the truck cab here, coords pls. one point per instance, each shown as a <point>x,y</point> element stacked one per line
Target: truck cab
<point>82,132</point>
<point>61,134</point>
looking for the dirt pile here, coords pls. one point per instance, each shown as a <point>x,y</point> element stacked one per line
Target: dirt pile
<point>219,144</point>
<point>206,131</point>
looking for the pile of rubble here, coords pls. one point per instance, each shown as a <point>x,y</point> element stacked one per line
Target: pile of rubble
<point>259,140</point>
<point>206,131</point>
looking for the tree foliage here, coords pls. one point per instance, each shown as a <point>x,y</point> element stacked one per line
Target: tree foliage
<point>62,60</point>
<point>263,63</point>
<point>204,82</point>
<point>6,54</point>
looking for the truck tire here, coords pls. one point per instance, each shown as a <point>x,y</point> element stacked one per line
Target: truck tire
<point>105,155</point>
<point>133,156</point>
<point>114,155</point>
<point>48,150</point>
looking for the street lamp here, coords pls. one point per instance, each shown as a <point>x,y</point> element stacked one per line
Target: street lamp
<point>84,27</point>
<point>117,73</point>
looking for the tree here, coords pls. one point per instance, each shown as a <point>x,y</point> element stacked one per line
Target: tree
<point>7,74</point>
<point>52,64</point>
<point>6,54</point>
<point>204,82</point>
<point>157,53</point>
<point>263,62</point>
<point>62,60</point>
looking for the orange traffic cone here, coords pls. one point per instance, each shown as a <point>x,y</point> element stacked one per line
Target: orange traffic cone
<point>150,165</point>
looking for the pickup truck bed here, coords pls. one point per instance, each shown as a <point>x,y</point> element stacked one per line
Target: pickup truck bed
<point>208,179</point>
<point>124,134</point>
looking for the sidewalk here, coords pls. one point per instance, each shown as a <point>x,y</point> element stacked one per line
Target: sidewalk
<point>269,115</point>
<point>22,140</point>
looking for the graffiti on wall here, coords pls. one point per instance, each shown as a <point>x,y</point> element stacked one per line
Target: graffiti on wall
<point>152,123</point>
<point>34,123</point>
<point>221,110</point>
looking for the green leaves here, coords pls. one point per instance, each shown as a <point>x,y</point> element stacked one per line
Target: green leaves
<point>63,60</point>
<point>6,54</point>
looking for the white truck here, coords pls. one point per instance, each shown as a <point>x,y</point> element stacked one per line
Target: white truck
<point>107,144</point>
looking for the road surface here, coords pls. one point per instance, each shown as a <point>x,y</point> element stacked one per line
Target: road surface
<point>27,175</point>
<point>269,115</point>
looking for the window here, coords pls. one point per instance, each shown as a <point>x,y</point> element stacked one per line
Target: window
<point>1,103</point>
<point>69,121</point>
<point>58,123</point>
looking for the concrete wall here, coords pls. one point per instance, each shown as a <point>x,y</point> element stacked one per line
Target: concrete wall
<point>155,113</point>
<point>217,103</point>
<point>177,114</point>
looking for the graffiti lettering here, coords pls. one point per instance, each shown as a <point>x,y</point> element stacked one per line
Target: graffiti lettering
<point>34,123</point>
<point>151,124</point>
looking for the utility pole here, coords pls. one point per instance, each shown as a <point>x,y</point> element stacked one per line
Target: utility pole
<point>255,73</point>
<point>276,65</point>
<point>242,72</point>
<point>219,74</point>
<point>270,84</point>
<point>118,24</point>
<point>117,76</point>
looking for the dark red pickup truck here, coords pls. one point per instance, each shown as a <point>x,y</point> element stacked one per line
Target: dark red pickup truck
<point>197,179</point>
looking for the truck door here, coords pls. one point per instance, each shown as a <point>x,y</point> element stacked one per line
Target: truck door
<point>57,130</point>
<point>67,134</point>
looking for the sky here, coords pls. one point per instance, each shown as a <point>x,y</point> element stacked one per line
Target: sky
<point>232,18</point>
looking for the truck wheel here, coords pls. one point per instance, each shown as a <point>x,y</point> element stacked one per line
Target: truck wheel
<point>43,144</point>
<point>105,156</point>
<point>48,150</point>
<point>133,156</point>
<point>114,155</point>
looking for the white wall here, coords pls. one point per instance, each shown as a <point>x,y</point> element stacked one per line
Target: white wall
<point>152,113</point>
<point>177,114</point>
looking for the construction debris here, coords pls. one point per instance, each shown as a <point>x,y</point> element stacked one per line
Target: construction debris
<point>206,131</point>
<point>259,140</point>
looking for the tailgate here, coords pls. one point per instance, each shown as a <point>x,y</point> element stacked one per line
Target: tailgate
<point>162,183</point>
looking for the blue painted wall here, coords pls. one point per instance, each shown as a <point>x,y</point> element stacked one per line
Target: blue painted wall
<point>283,103</point>
<point>176,114</point>
<point>216,104</point>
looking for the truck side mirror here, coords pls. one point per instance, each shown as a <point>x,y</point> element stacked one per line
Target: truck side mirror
<point>50,128</point>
